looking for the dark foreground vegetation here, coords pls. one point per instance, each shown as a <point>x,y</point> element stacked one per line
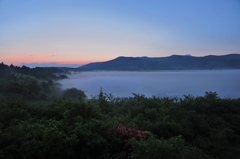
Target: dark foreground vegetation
<point>43,123</point>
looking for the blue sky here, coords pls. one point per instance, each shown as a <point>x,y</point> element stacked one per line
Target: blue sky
<point>83,31</point>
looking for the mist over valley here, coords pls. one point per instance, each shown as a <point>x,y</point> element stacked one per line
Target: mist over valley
<point>156,83</point>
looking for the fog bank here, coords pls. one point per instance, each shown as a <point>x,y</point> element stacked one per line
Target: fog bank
<point>162,83</point>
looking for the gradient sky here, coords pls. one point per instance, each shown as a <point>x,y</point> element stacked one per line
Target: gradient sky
<point>83,31</point>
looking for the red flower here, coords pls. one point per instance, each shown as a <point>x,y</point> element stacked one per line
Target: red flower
<point>127,133</point>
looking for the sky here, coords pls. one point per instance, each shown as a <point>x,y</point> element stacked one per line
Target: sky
<point>77,32</point>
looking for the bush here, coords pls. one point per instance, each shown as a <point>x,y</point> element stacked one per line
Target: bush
<point>73,93</point>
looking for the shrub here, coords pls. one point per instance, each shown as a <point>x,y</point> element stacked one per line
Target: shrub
<point>73,93</point>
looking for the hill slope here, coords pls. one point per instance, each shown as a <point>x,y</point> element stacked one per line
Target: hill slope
<point>174,62</point>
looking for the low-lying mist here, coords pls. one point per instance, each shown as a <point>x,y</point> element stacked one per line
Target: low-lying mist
<point>162,83</point>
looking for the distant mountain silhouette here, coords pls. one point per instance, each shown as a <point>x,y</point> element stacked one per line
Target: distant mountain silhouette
<point>174,62</point>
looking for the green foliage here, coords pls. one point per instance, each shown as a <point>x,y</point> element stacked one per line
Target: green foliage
<point>36,84</point>
<point>73,93</point>
<point>72,127</point>
<point>150,147</point>
<point>62,76</point>
<point>62,129</point>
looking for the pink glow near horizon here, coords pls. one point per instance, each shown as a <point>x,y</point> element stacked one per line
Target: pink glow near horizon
<point>20,62</point>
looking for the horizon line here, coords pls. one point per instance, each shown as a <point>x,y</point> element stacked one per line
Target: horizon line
<point>68,64</point>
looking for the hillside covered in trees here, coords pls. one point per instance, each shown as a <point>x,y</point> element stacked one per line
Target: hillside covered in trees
<point>30,83</point>
<point>39,121</point>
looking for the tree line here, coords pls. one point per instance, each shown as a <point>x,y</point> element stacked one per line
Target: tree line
<point>31,83</point>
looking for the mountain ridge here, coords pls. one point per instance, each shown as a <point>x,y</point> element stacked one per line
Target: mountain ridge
<point>173,62</point>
